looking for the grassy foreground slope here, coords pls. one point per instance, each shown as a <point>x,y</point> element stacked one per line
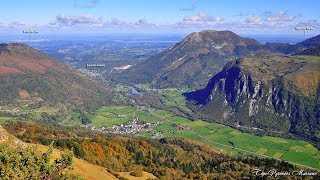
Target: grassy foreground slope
<point>81,168</point>
<point>164,158</point>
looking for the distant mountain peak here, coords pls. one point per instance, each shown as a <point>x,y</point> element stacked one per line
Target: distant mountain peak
<point>218,37</point>
<point>313,51</point>
<point>314,41</point>
<point>191,61</point>
<point>200,55</point>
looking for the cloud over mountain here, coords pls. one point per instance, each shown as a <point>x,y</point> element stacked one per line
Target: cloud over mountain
<point>202,18</point>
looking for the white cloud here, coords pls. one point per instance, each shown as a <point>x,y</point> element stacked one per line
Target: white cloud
<point>125,24</point>
<point>78,20</point>
<point>309,23</point>
<point>2,25</point>
<point>144,23</point>
<point>201,18</point>
<point>253,20</point>
<point>266,21</point>
<point>281,16</point>
<point>18,23</point>
<point>53,25</point>
<point>14,25</point>
<point>260,22</point>
<point>117,22</point>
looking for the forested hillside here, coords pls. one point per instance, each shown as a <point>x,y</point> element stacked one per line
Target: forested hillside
<point>176,158</point>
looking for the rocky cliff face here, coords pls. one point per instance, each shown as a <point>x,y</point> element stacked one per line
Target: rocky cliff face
<point>277,95</point>
<point>10,140</point>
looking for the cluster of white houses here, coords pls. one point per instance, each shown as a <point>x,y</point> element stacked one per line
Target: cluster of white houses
<point>131,127</point>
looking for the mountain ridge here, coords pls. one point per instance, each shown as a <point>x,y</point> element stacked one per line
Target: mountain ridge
<point>270,93</point>
<point>199,56</point>
<point>29,74</point>
<point>21,50</point>
<point>313,51</point>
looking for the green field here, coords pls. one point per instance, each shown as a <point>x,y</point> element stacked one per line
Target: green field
<point>164,128</point>
<point>295,151</point>
<point>217,136</point>
<point>5,119</point>
<point>73,119</point>
<point>174,98</point>
<point>108,116</point>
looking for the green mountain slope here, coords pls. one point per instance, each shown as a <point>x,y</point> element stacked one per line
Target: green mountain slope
<point>314,51</point>
<point>267,94</point>
<point>29,75</point>
<point>193,60</point>
<point>199,56</point>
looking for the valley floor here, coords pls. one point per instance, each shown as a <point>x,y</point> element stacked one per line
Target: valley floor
<point>146,121</point>
<point>153,123</point>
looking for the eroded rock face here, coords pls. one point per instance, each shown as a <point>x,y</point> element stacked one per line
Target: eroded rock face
<point>262,93</point>
<point>3,135</point>
<point>6,138</point>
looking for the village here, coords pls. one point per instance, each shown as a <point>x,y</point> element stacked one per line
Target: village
<point>131,127</point>
<point>135,126</point>
<point>14,112</point>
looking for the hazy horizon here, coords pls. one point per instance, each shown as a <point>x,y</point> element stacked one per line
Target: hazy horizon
<point>158,17</point>
<point>25,38</point>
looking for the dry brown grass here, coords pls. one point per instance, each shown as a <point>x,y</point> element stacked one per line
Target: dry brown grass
<point>145,175</point>
<point>93,172</point>
<point>81,167</point>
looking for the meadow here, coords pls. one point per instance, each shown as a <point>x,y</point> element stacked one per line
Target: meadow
<point>174,98</point>
<point>220,137</point>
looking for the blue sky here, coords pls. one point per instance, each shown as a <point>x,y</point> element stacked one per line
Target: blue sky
<point>159,16</point>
